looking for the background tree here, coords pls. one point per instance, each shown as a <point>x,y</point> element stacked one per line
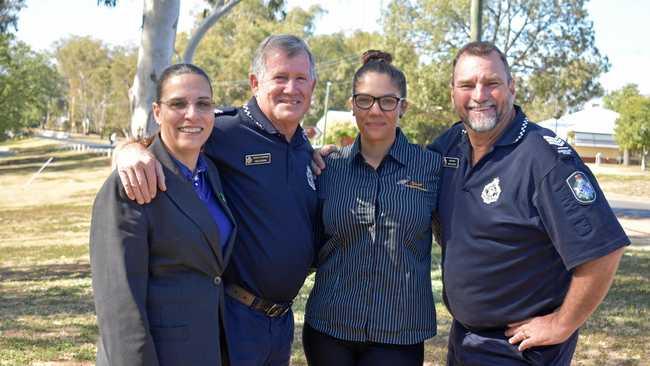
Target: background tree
<point>633,125</point>
<point>29,87</point>
<point>84,63</point>
<point>9,14</point>
<point>29,84</point>
<point>550,45</point>
<point>227,48</point>
<point>159,21</point>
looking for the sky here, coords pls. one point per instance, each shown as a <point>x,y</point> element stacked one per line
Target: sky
<point>619,25</point>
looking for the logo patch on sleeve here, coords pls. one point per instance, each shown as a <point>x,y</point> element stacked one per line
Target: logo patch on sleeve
<point>581,187</point>
<point>257,159</point>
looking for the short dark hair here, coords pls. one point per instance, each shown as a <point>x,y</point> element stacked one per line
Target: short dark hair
<point>288,44</point>
<point>179,69</point>
<point>380,62</point>
<point>480,48</point>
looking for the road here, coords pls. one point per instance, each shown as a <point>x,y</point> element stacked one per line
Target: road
<point>630,208</point>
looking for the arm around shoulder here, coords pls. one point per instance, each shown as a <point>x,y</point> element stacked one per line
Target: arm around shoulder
<point>139,171</point>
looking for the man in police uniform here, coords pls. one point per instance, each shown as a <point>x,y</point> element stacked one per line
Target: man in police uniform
<point>263,157</point>
<point>530,244</point>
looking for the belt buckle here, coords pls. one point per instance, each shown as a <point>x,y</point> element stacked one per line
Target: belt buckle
<point>275,310</point>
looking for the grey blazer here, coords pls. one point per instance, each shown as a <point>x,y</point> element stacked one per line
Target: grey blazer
<point>156,273</point>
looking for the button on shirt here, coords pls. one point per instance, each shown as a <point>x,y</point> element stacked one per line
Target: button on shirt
<point>271,192</point>
<point>201,185</point>
<point>374,270</point>
<point>513,226</point>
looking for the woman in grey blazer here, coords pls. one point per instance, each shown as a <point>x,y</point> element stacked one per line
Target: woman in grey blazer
<point>157,267</point>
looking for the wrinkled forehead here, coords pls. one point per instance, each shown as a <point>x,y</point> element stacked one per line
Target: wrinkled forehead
<point>471,67</point>
<point>277,57</point>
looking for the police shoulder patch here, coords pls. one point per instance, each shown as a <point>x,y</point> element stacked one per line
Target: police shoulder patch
<point>225,111</point>
<point>582,189</point>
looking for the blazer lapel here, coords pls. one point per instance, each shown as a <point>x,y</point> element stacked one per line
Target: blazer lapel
<point>183,195</point>
<point>215,181</point>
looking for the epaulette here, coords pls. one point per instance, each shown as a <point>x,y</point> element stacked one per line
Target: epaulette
<point>225,111</point>
<point>559,146</point>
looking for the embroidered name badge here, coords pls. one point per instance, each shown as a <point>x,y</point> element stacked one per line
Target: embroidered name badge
<point>450,162</point>
<point>310,179</point>
<point>491,191</point>
<point>408,183</point>
<point>581,188</point>
<point>258,159</point>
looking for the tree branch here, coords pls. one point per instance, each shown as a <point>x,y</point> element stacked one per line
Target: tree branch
<point>208,22</point>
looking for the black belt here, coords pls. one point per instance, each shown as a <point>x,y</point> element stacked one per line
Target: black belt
<point>266,307</point>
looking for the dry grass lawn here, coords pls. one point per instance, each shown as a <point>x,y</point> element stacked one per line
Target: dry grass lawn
<point>46,309</point>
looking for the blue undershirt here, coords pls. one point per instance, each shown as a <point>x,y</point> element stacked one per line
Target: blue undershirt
<point>203,189</point>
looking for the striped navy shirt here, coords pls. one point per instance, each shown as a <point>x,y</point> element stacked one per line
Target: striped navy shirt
<point>373,282</point>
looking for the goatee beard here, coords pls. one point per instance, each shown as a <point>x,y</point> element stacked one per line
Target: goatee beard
<point>482,124</point>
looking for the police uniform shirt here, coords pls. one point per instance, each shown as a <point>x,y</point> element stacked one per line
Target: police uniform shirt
<point>516,224</point>
<point>270,189</point>
<point>373,282</point>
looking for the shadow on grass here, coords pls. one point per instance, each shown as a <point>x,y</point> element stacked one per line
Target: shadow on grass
<point>59,155</point>
<point>51,272</point>
<point>83,161</point>
<point>19,299</point>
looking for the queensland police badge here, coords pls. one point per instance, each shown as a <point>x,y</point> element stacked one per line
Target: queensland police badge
<point>581,187</point>
<point>491,191</point>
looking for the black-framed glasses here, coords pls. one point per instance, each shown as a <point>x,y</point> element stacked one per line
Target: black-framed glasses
<point>202,106</point>
<point>387,103</point>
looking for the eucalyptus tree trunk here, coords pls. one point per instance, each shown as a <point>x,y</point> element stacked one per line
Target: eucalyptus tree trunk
<point>159,21</point>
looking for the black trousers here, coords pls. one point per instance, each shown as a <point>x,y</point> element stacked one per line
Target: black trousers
<point>324,350</point>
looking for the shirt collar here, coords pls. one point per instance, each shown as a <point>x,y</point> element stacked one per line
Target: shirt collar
<point>397,151</point>
<point>201,167</point>
<point>517,129</point>
<point>254,113</point>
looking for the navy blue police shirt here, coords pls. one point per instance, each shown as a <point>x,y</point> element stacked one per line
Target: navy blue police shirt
<point>270,189</point>
<point>515,225</point>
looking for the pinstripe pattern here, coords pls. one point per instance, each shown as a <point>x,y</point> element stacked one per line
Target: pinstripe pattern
<point>374,274</point>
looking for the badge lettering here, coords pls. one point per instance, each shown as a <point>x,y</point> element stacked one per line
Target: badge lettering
<point>412,184</point>
<point>257,159</point>
<point>450,162</point>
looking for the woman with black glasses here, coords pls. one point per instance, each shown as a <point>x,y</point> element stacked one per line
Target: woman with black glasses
<point>372,303</point>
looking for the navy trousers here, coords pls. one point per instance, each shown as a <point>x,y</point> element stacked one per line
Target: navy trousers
<point>491,348</point>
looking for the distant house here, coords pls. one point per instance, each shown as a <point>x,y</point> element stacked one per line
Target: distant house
<point>336,119</point>
<point>590,132</point>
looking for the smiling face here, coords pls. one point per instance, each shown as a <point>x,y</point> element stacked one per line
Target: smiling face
<point>482,94</point>
<point>185,115</point>
<point>284,90</point>
<point>376,125</point>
